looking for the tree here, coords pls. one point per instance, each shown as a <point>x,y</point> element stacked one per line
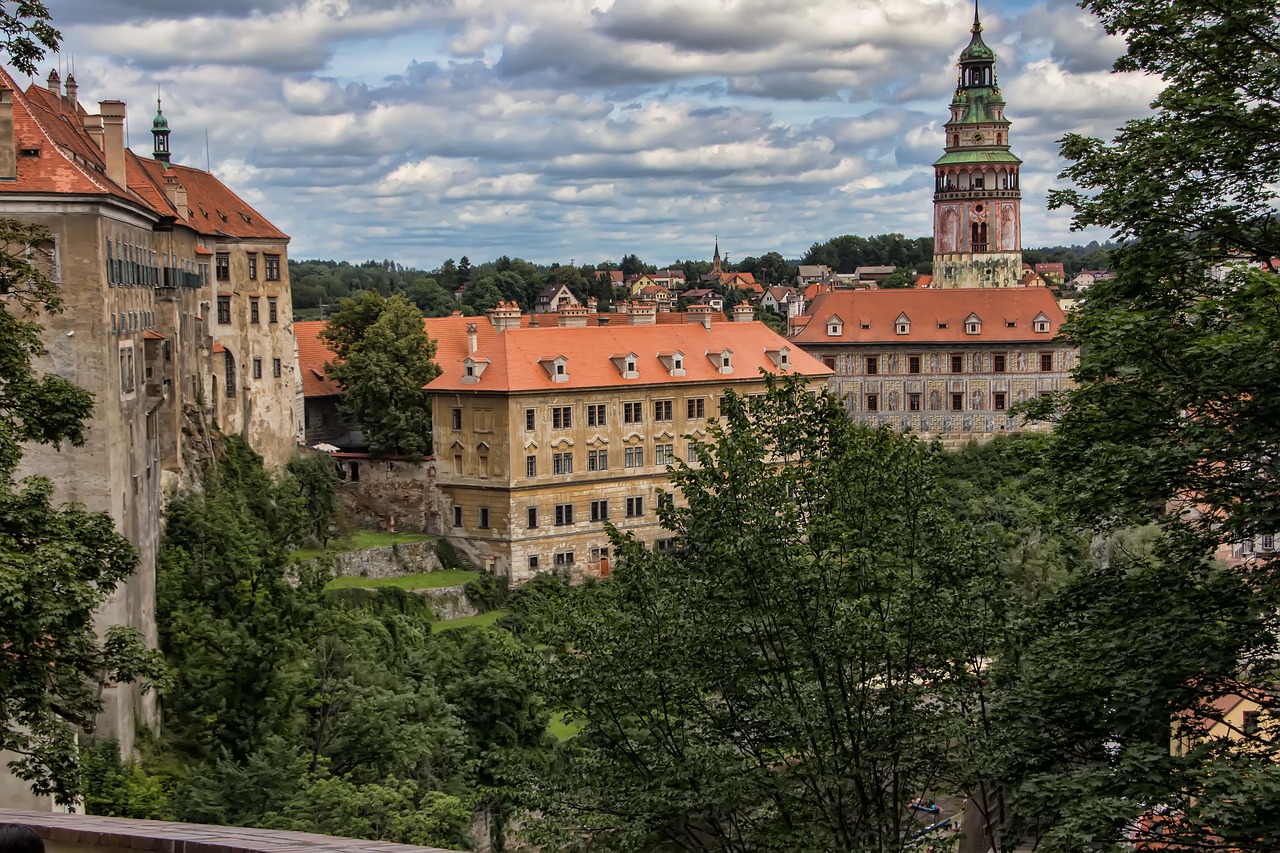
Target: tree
<point>772,268</point>
<point>432,299</point>
<point>58,564</point>
<point>1174,417</point>
<point>317,485</point>
<point>821,624</point>
<point>382,368</point>
<point>27,34</point>
<point>899,278</point>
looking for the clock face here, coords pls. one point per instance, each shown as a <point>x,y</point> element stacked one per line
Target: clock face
<point>977,137</point>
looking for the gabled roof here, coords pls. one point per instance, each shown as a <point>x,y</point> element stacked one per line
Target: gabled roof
<point>880,310</point>
<point>69,162</point>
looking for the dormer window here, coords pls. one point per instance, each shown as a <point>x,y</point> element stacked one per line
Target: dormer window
<point>627,365</point>
<point>673,362</point>
<point>781,357</point>
<point>722,359</point>
<point>835,326</point>
<point>1041,323</point>
<point>473,369</point>
<point>973,325</point>
<point>557,367</point>
<point>902,325</point>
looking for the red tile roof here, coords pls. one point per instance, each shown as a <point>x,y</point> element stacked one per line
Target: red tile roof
<point>312,355</point>
<point>927,310</point>
<point>69,162</point>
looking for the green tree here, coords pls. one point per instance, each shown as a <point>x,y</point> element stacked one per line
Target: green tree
<point>28,34</point>
<point>382,368</point>
<point>899,278</point>
<point>820,626</point>
<point>432,299</point>
<point>317,485</point>
<point>58,564</point>
<point>1174,419</point>
<point>772,268</point>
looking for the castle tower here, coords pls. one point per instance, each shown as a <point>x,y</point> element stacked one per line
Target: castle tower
<point>160,135</point>
<point>977,203</point>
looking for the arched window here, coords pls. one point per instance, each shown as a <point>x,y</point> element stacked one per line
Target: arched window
<point>999,139</point>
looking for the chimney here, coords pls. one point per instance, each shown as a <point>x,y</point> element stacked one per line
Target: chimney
<point>113,113</point>
<point>55,82</point>
<point>505,316</point>
<point>93,127</point>
<point>699,314</point>
<point>72,88</point>
<point>177,194</point>
<point>640,314</point>
<point>743,313</point>
<point>472,337</point>
<point>8,145</point>
<point>573,318</point>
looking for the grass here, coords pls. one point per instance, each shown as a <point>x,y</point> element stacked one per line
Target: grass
<point>484,620</point>
<point>562,730</point>
<point>427,580</point>
<point>358,541</point>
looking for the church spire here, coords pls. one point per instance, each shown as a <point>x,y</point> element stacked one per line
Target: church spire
<point>715,259</point>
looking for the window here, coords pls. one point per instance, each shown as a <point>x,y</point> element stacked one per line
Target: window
<point>561,417</point>
<point>275,367</point>
<point>229,366</point>
<point>564,514</point>
<point>957,364</point>
<point>127,370</point>
<point>596,415</point>
<point>664,454</point>
<point>355,471</point>
<point>597,460</point>
<point>696,408</point>
<point>533,562</point>
<point>693,452</point>
<point>829,361</point>
<point>456,418</point>
<point>913,364</point>
<point>662,410</point>
<point>873,403</point>
<point>998,401</point>
<point>1042,326</point>
<point>1267,542</point>
<point>633,457</point>
<point>664,545</point>
<point>600,510</point>
<point>457,516</point>
<point>598,554</point>
<point>972,328</point>
<point>254,313</point>
<point>257,367</point>
<point>913,402</point>
<point>635,507</point>
<point>224,309</point>
<point>833,330</point>
<point>531,517</point>
<point>564,558</point>
<point>997,363</point>
<point>957,402</point>
<point>873,365</point>
<point>273,267</point>
<point>531,466</point>
<point>273,310</point>
<point>222,267</point>
<point>528,420</point>
<point>253,266</point>
<point>632,413</point>
<point>1046,362</point>
<point>484,518</point>
<point>562,463</point>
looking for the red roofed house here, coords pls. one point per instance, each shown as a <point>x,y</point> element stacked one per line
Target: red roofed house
<point>940,362</point>
<point>178,314</point>
<point>543,433</point>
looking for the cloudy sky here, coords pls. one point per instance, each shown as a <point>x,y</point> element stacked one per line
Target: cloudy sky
<point>587,129</point>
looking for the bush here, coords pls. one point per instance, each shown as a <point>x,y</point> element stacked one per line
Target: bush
<point>116,788</point>
<point>488,592</point>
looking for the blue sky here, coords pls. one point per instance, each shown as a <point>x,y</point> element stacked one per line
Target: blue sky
<point>588,129</point>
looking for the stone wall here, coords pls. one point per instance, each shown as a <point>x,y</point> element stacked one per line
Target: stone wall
<point>449,602</point>
<point>392,561</point>
<point>390,494</point>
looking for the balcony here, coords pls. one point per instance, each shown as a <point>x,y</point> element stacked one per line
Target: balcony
<point>74,833</point>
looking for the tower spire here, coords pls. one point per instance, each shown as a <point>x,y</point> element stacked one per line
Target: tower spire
<point>977,24</point>
<point>160,134</point>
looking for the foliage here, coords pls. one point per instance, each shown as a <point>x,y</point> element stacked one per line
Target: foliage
<point>120,788</point>
<point>847,253</point>
<point>770,268</point>
<point>821,627</point>
<point>382,359</point>
<point>488,591</point>
<point>421,580</point>
<point>58,564</point>
<point>317,485</point>
<point>27,34</point>
<point>1174,419</point>
<point>899,278</point>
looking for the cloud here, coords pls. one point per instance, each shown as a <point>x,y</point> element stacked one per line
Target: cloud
<point>423,129</point>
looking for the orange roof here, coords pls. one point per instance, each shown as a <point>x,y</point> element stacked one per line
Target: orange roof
<point>924,281</point>
<point>152,335</point>
<point>312,355</point>
<point>927,310</point>
<point>69,162</point>
<point>516,356</point>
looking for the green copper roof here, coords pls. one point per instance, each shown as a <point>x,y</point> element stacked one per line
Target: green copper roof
<point>977,48</point>
<point>159,122</point>
<point>980,155</point>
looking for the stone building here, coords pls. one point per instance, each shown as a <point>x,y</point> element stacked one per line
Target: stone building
<point>152,325</point>
<point>939,362</point>
<point>977,215</point>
